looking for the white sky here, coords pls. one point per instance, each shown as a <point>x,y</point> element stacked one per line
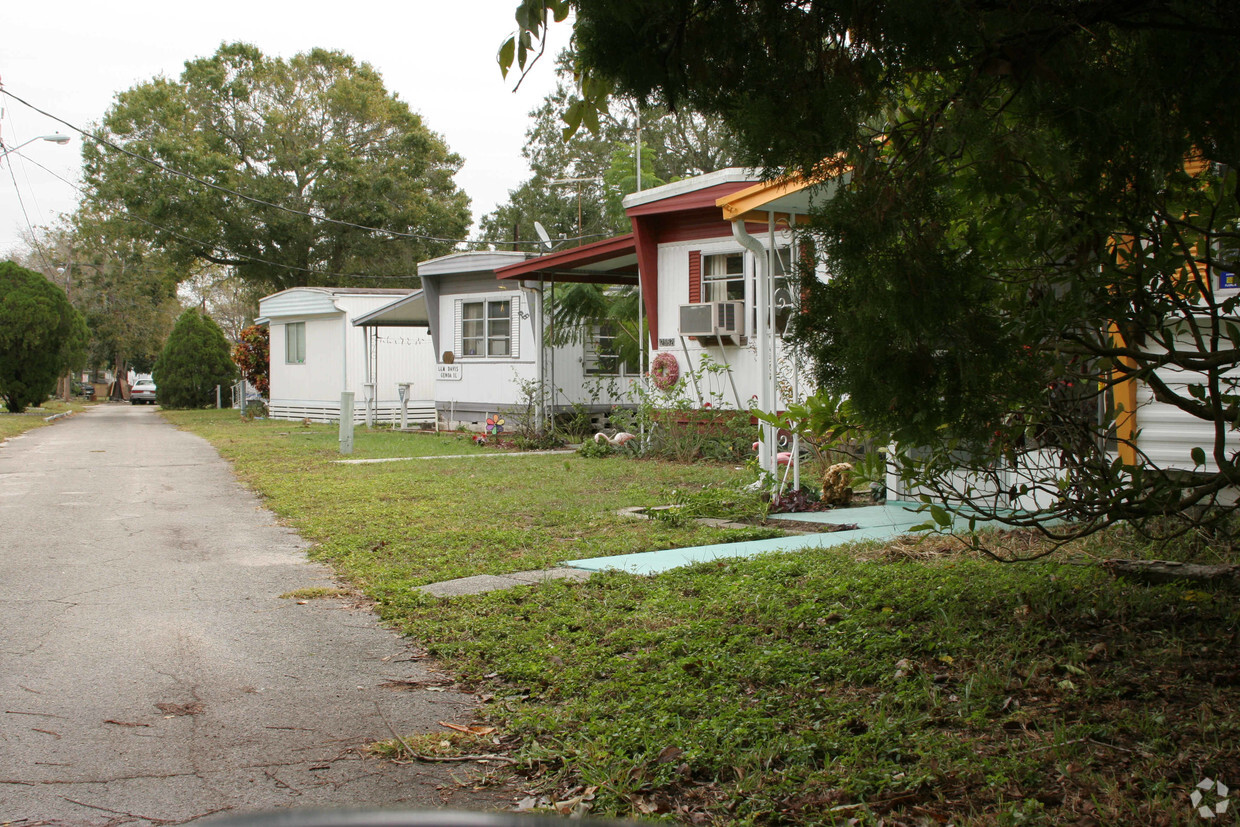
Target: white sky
<point>70,58</point>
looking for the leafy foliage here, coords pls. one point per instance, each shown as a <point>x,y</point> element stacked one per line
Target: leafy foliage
<point>122,286</point>
<point>1034,212</point>
<point>195,359</point>
<point>253,357</point>
<point>277,167</point>
<point>41,336</point>
<point>578,181</point>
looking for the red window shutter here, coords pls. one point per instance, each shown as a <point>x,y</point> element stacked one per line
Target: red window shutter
<point>695,276</point>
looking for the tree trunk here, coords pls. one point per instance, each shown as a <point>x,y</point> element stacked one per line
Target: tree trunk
<point>118,387</point>
<point>1169,571</point>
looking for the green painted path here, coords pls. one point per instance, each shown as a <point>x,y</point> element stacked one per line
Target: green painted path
<point>874,522</point>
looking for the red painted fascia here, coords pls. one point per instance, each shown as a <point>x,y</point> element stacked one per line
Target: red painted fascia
<point>568,259</point>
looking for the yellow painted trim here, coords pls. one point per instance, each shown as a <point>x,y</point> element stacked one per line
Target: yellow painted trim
<point>1125,393</point>
<point>748,203</point>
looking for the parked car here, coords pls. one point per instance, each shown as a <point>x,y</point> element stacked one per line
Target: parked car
<point>142,391</point>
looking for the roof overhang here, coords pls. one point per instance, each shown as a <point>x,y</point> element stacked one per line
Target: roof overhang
<point>409,311</point>
<point>787,195</point>
<point>648,200</point>
<point>610,261</point>
<point>474,261</point>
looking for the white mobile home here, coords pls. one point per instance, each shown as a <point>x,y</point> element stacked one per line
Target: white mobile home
<point>488,334</point>
<point>318,351</point>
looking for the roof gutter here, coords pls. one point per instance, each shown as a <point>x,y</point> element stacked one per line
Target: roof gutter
<point>766,397</point>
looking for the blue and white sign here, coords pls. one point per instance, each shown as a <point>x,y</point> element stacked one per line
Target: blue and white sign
<point>1227,280</point>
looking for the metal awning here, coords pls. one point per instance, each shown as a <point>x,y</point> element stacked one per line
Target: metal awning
<point>408,311</point>
<point>786,196</point>
<point>610,261</point>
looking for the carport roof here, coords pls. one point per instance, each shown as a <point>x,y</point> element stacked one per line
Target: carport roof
<point>610,261</point>
<point>409,311</point>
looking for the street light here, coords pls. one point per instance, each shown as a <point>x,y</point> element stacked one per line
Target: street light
<point>55,139</point>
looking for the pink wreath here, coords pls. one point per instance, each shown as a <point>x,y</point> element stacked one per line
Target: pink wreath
<point>665,371</point>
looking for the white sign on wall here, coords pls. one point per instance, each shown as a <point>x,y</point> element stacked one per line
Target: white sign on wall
<point>450,373</point>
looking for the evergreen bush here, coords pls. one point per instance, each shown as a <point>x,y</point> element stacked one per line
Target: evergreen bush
<point>195,359</point>
<point>41,337</point>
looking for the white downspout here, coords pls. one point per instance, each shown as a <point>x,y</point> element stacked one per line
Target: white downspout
<point>535,298</point>
<point>766,402</point>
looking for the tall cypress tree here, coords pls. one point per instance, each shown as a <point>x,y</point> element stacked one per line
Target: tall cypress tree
<point>194,360</point>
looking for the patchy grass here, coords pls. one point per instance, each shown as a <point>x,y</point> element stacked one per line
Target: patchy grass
<point>12,425</point>
<point>389,527</point>
<point>901,684</point>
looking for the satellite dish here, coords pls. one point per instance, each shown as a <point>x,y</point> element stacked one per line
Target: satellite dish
<point>542,234</point>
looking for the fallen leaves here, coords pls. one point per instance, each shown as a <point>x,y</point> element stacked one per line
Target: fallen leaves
<point>172,710</point>
<point>469,730</point>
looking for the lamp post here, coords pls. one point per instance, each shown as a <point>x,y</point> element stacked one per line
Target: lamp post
<point>55,139</point>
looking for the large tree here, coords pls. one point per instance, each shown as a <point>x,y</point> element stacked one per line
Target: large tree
<point>1039,205</point>
<point>576,189</point>
<point>675,145</point>
<point>123,286</point>
<point>41,336</point>
<point>292,172</point>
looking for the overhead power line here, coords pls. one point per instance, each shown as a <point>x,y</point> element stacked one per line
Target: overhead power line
<point>125,216</point>
<point>190,177</point>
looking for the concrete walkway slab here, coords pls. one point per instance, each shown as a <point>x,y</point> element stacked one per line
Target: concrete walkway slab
<point>874,522</point>
<point>481,583</point>
<point>379,460</point>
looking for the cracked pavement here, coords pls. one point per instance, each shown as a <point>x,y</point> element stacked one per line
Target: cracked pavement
<point>149,671</point>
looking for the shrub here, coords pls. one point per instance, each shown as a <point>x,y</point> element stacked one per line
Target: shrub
<point>41,336</point>
<point>252,355</point>
<point>195,359</point>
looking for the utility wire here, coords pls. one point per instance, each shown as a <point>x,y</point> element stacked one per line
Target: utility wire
<point>105,142</point>
<point>29,228</point>
<point>125,216</point>
<point>215,250</point>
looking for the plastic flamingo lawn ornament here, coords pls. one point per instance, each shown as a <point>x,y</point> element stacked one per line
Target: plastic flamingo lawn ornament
<point>782,458</point>
<point>614,441</point>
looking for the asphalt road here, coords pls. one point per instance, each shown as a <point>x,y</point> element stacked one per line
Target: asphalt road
<point>150,672</point>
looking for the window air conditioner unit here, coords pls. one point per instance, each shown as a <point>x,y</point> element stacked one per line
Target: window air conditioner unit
<point>725,318</point>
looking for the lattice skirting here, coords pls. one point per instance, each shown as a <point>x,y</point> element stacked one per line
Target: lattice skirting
<point>421,412</point>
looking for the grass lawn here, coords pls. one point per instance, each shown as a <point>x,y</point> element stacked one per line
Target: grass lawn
<point>14,424</point>
<point>865,685</point>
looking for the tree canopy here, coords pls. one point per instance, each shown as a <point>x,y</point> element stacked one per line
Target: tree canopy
<point>293,172</point>
<point>576,191</point>
<point>1039,207</point>
<point>123,287</point>
<point>41,336</point>
<point>675,145</point>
